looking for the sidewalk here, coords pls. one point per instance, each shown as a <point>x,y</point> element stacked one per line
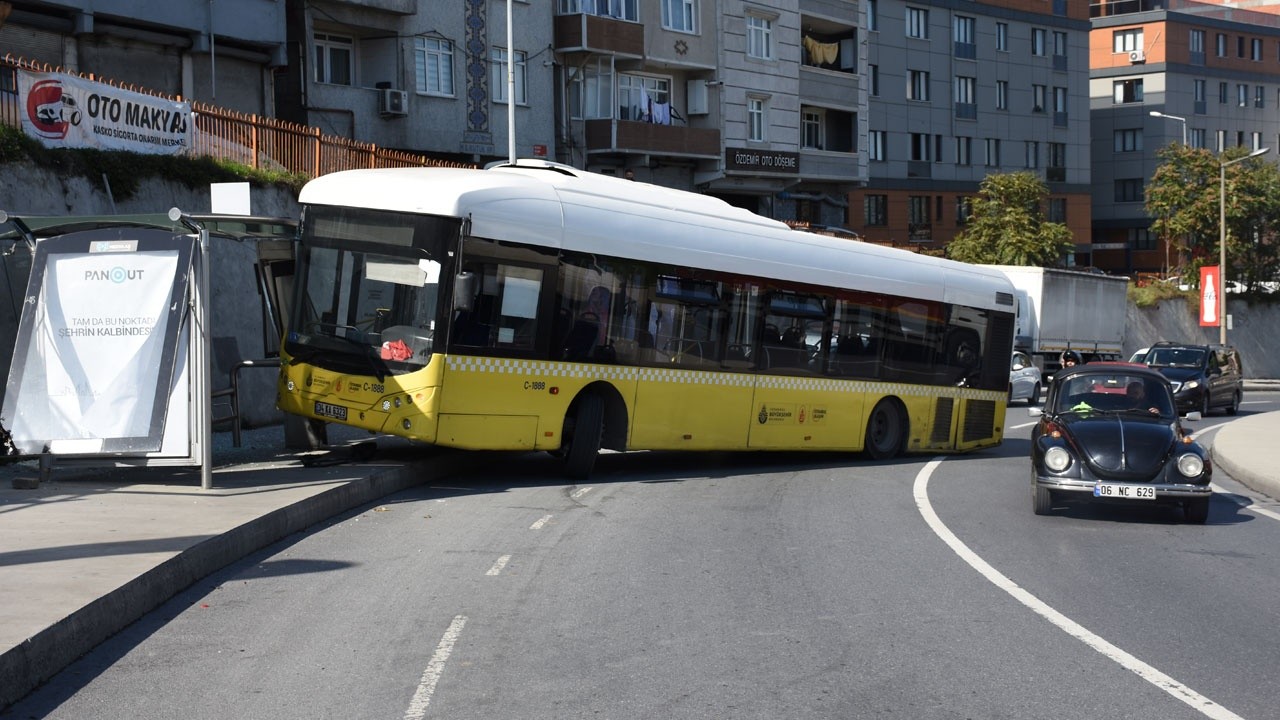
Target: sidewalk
<point>93,549</point>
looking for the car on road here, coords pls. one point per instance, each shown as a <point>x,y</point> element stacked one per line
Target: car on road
<point>1109,432</point>
<point>1203,377</point>
<point>1024,379</point>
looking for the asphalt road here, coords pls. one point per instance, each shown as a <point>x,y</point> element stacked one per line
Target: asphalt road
<point>722,586</point>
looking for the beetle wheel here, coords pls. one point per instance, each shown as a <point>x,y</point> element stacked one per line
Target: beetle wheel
<point>1041,500</point>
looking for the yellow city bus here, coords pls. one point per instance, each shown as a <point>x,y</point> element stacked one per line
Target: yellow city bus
<point>534,306</point>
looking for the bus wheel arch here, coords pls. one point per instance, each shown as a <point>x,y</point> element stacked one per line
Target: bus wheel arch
<point>597,418</point>
<point>887,428</point>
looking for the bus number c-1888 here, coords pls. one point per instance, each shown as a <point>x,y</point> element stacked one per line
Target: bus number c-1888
<point>539,385</point>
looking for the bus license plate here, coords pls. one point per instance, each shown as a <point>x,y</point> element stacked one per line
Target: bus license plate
<point>1125,492</point>
<point>337,412</point>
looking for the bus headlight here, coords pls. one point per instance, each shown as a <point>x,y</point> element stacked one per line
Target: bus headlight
<point>1057,458</point>
<point>1190,465</point>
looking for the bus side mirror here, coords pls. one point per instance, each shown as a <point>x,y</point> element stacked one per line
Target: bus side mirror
<point>464,291</point>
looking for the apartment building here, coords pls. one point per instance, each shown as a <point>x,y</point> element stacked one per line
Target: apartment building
<point>222,52</point>
<point>960,89</point>
<point>1210,69</point>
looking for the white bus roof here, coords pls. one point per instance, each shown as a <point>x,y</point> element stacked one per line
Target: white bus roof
<point>562,207</point>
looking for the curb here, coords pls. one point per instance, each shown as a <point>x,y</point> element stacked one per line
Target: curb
<point>39,658</point>
<point>1236,450</point>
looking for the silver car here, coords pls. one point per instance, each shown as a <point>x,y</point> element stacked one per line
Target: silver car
<point>1024,379</point>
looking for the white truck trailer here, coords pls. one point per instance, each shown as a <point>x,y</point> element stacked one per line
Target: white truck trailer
<point>1067,310</point>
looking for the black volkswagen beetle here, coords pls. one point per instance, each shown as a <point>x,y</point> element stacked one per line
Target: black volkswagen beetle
<point>1110,431</point>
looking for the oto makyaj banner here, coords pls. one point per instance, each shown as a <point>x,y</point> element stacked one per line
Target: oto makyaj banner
<point>65,111</point>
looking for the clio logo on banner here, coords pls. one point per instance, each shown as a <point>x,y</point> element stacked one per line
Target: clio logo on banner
<point>1209,289</point>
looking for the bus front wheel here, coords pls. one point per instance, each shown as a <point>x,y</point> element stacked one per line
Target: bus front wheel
<point>582,439</point>
<point>886,430</point>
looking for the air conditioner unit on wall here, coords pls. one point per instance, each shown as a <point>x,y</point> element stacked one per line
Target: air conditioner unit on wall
<point>1137,56</point>
<point>393,103</point>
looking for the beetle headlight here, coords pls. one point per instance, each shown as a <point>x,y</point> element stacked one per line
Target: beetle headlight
<point>1190,465</point>
<point>1057,459</point>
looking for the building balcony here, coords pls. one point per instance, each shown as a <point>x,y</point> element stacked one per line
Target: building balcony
<point>395,7</point>
<point>582,32</point>
<point>644,138</point>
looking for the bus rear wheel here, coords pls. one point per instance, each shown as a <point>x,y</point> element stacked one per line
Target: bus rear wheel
<point>886,430</point>
<point>583,436</point>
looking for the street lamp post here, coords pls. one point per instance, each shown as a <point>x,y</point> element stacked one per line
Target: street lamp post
<point>1157,113</point>
<point>1222,240</point>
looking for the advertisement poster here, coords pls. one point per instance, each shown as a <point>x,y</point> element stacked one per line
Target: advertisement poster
<point>66,111</point>
<point>1209,289</point>
<point>94,365</point>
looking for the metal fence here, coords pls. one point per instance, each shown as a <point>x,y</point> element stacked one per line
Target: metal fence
<point>254,141</point>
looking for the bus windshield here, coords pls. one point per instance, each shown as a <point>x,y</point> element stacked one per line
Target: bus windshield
<point>370,295</point>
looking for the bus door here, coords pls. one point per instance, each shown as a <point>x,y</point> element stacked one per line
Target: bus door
<point>688,397</point>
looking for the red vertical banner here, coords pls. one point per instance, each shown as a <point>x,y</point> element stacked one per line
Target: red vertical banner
<point>1210,286</point>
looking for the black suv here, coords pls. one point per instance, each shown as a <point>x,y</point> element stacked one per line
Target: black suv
<point>1203,377</point>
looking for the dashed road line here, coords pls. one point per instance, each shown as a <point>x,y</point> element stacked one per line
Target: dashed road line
<point>580,492</point>
<point>499,565</point>
<point>435,668</point>
<point>541,523</point>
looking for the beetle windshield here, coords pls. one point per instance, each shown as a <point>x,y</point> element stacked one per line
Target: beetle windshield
<point>1115,392</point>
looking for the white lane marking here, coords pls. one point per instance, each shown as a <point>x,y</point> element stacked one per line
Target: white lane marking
<point>435,667</point>
<point>1196,701</point>
<point>497,566</point>
<point>580,492</point>
<point>540,523</point>
<point>1019,427</point>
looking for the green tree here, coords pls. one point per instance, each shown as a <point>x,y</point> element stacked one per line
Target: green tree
<point>1007,225</point>
<point>1183,200</point>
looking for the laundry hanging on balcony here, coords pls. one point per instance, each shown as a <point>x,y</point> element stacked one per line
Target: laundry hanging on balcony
<point>821,53</point>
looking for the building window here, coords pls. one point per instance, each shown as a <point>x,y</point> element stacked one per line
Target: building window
<point>1060,100</point>
<point>919,225</point>
<point>759,37</point>
<point>1128,140</point>
<point>1059,43</point>
<point>1033,155</point>
<point>964,151</point>
<point>1127,91</point>
<point>1257,141</point>
<point>498,72</point>
<point>991,152</point>
<point>918,23</point>
<point>1126,41</point>
<point>1221,44</point>
<point>1002,37</point>
<point>1057,155</point>
<point>1038,93</point>
<point>918,85</point>
<point>964,209</point>
<point>811,129</point>
<point>966,89</point>
<point>1196,46</point>
<point>433,58</point>
<point>964,30</point>
<point>680,15</point>
<point>1242,95</point>
<point>1255,50</point>
<point>1141,239</point>
<point>873,16</point>
<point>1002,94</point>
<point>1220,137</point>
<point>591,90</point>
<point>335,59</point>
<point>1258,96</point>
<point>1240,46</point>
<point>1239,138</point>
<point>1197,137</point>
<point>921,147</point>
<point>621,9</point>
<point>1222,93</point>
<point>873,75</point>
<point>1057,210</point>
<point>1199,90</point>
<point>875,210</point>
<point>1039,46</point>
<point>637,96</point>
<point>756,119</point>
<point>1129,190</point>
<point>875,145</point>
